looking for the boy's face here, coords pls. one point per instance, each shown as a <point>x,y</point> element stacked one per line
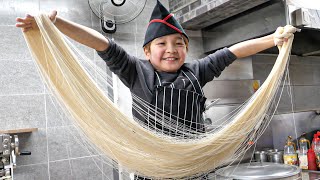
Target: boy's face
<point>167,53</point>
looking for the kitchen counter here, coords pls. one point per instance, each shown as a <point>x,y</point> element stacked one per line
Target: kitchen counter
<point>310,175</point>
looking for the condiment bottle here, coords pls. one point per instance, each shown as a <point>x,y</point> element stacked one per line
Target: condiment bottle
<point>315,136</point>
<point>316,145</point>
<point>289,153</point>
<point>303,152</point>
<point>312,164</point>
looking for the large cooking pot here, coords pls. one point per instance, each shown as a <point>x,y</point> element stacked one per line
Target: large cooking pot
<point>259,170</point>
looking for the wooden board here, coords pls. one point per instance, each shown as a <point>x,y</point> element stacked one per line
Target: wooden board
<point>18,131</point>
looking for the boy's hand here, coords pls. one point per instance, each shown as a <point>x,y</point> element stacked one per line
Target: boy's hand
<point>28,23</point>
<point>282,34</point>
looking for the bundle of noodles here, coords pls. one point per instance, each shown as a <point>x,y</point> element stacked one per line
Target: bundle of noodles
<point>123,139</point>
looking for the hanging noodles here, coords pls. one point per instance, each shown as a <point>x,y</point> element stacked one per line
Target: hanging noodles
<point>123,139</point>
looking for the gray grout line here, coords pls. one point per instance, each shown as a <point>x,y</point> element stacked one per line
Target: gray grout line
<point>31,94</point>
<point>17,60</point>
<point>27,165</point>
<point>68,153</point>
<point>53,127</point>
<point>46,117</point>
<point>82,157</point>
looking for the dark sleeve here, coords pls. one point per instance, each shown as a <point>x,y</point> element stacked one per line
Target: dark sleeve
<point>212,65</point>
<point>120,63</point>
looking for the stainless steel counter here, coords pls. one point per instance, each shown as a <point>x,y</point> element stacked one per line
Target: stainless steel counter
<point>310,175</point>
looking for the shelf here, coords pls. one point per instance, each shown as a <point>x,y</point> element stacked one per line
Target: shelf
<point>18,131</point>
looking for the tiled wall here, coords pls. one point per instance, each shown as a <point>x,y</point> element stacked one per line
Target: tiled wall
<point>303,93</point>
<point>26,102</point>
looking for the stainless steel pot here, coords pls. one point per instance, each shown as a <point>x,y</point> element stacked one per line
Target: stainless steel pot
<point>260,156</point>
<point>258,170</point>
<point>276,157</point>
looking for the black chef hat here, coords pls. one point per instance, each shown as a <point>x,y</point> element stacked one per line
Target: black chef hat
<point>162,23</point>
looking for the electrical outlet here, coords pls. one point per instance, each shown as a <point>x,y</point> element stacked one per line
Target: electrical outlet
<point>302,17</point>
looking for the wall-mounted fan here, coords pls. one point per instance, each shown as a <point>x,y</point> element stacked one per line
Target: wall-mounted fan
<point>113,12</point>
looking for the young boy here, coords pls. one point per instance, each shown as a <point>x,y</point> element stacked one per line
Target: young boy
<point>171,86</point>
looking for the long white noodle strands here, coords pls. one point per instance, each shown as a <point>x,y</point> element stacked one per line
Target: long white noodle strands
<point>125,140</point>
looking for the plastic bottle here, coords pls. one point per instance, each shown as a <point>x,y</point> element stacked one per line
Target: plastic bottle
<point>315,136</point>
<point>304,145</point>
<point>316,148</point>
<point>312,164</point>
<point>289,153</point>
